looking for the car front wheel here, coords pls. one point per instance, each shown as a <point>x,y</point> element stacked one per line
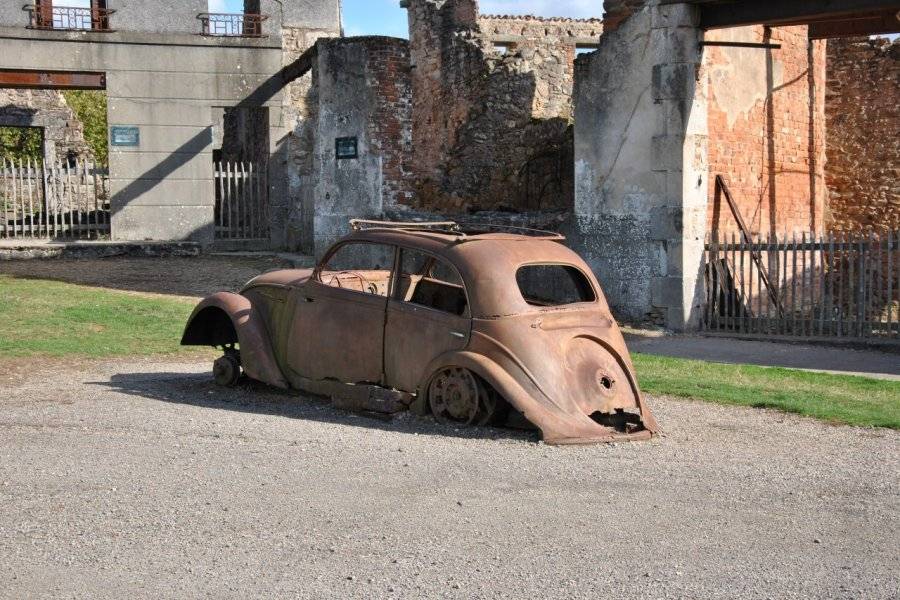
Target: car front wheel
<point>227,370</point>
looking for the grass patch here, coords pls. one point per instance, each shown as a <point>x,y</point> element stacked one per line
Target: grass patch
<point>834,398</point>
<point>49,318</point>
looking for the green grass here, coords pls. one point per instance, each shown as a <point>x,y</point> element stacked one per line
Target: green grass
<point>48,318</point>
<point>834,398</point>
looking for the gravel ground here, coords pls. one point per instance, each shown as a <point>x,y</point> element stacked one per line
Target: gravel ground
<point>141,478</point>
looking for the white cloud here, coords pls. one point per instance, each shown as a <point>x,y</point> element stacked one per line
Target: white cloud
<point>579,9</point>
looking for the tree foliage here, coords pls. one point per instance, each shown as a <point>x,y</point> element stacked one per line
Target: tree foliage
<point>21,143</point>
<point>90,108</point>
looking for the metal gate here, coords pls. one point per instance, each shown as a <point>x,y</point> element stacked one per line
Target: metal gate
<point>68,201</point>
<point>827,286</point>
<point>242,211</point>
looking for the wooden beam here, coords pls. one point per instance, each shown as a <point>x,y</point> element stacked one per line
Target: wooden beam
<point>787,12</point>
<point>52,80</point>
<point>871,24</point>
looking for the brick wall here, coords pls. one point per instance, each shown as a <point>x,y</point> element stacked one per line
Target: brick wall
<point>616,11</point>
<point>863,94</point>
<point>767,130</point>
<point>390,128</point>
<point>492,107</point>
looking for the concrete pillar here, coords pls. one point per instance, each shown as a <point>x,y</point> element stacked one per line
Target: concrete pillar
<point>641,165</point>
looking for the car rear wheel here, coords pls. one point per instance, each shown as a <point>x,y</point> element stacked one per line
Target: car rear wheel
<point>227,370</point>
<point>459,397</point>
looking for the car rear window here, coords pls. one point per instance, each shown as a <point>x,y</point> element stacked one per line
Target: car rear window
<point>553,285</point>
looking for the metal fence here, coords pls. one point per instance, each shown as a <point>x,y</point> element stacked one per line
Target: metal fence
<point>828,286</point>
<point>232,24</point>
<point>59,202</point>
<point>242,211</point>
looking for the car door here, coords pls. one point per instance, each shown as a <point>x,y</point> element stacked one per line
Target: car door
<point>337,330</point>
<point>427,316</point>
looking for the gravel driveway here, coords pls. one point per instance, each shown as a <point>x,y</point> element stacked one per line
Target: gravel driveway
<point>141,479</point>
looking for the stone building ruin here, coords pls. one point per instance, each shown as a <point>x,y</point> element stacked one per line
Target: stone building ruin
<point>492,106</point>
<point>614,131</point>
<point>61,131</point>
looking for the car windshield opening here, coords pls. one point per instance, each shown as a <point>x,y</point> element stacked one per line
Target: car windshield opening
<point>553,285</point>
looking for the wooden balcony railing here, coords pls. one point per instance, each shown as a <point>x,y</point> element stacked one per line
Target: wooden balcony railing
<point>68,18</point>
<point>231,24</point>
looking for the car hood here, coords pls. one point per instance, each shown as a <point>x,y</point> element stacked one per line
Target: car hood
<point>283,277</point>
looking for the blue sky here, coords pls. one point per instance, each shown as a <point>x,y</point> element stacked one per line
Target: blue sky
<point>385,17</point>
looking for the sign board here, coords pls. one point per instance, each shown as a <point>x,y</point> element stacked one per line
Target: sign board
<point>124,136</point>
<point>346,147</point>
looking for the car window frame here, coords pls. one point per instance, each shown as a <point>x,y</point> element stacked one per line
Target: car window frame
<point>317,272</point>
<point>398,259</point>
<point>555,263</point>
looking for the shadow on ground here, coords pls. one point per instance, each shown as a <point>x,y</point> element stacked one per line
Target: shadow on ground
<point>180,276</point>
<point>249,396</point>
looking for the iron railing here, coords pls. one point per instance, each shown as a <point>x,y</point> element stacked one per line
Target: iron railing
<point>242,211</point>
<point>68,18</point>
<point>231,24</point>
<point>805,286</point>
<point>53,202</point>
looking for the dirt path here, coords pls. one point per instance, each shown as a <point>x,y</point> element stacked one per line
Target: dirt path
<point>140,478</point>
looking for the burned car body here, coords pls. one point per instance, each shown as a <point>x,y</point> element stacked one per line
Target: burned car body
<point>469,324</point>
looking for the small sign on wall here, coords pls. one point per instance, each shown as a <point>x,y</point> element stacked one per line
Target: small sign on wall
<point>124,136</point>
<point>346,147</point>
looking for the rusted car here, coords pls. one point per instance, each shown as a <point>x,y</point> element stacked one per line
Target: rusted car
<point>476,325</point>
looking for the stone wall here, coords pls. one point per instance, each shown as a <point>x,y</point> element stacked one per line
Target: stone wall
<point>616,11</point>
<point>299,105</point>
<point>492,107</point>
<point>362,91</point>
<point>767,130</point>
<point>863,93</point>
<point>641,171</point>
<point>62,131</point>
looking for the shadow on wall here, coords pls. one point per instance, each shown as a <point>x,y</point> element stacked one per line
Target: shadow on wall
<point>769,195</point>
<point>198,143</point>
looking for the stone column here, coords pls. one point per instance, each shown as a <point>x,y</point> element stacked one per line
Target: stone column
<point>641,165</point>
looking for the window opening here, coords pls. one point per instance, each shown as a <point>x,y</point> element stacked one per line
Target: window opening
<point>428,281</point>
<point>553,285</point>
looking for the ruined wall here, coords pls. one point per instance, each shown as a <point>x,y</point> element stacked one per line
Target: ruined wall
<point>641,171</point>
<point>362,91</point>
<point>863,93</point>
<point>492,106</point>
<point>767,130</point>
<point>616,11</point>
<point>295,150</point>
<point>63,132</point>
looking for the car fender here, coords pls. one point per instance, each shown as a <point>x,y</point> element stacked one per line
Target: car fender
<point>556,426</point>
<point>204,328</point>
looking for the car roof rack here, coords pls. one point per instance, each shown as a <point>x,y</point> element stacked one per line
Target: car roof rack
<point>461,231</point>
<point>363,224</point>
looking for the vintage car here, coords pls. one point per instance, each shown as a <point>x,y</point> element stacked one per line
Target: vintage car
<point>475,324</point>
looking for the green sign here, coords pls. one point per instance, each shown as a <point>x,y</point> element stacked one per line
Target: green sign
<point>124,136</point>
<point>346,147</point>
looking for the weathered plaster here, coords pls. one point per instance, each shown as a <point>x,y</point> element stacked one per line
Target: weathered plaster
<point>641,165</point>
<point>738,79</point>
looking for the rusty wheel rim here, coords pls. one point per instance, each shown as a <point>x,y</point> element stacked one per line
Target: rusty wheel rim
<point>226,371</point>
<point>457,397</point>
